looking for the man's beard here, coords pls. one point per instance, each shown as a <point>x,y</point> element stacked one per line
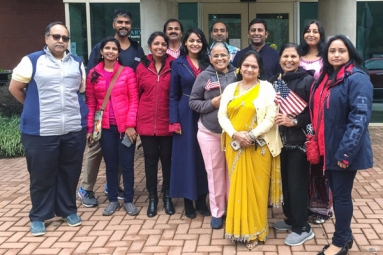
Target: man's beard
<point>122,32</point>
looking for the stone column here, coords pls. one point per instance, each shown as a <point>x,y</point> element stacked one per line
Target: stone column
<point>338,17</point>
<point>154,14</point>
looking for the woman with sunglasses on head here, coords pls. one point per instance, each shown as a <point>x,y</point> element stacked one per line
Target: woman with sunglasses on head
<point>188,178</point>
<point>252,146</point>
<point>294,164</point>
<point>341,103</point>
<point>153,78</point>
<point>205,99</point>
<point>118,121</point>
<point>311,48</point>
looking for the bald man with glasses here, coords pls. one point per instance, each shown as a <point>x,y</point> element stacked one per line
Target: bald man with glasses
<point>53,127</point>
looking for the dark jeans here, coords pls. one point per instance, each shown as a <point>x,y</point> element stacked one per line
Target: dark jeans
<point>116,153</point>
<point>157,147</point>
<point>295,183</point>
<point>54,164</point>
<point>341,183</point>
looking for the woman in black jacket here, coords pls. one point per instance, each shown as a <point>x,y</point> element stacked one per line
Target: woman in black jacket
<point>293,92</point>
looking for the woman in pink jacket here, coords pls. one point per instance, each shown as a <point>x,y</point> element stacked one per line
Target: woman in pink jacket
<point>153,78</point>
<point>118,121</point>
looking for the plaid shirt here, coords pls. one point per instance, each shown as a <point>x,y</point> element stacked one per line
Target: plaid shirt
<point>232,51</point>
<point>174,53</point>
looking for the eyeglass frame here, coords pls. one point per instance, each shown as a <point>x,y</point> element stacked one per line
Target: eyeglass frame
<point>217,56</point>
<point>58,37</point>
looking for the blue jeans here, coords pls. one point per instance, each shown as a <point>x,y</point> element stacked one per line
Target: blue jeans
<point>341,183</point>
<point>116,153</point>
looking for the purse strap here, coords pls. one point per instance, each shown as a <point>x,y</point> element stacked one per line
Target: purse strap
<point>111,85</point>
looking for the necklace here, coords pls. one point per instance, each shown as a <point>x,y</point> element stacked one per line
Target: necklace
<point>249,86</point>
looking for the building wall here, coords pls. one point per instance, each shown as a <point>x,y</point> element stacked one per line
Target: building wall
<point>22,27</point>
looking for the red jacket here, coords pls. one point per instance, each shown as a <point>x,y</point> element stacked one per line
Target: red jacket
<point>153,91</point>
<point>124,98</point>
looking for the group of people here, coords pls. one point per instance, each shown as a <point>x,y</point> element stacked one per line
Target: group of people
<point>215,116</point>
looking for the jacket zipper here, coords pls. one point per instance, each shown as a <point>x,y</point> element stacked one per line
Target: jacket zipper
<point>157,85</point>
<point>189,70</point>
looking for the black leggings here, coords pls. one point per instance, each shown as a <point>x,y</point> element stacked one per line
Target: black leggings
<point>155,148</point>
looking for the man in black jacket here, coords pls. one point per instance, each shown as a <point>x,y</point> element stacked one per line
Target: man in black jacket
<point>130,55</point>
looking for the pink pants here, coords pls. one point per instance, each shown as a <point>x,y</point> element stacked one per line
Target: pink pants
<point>215,164</point>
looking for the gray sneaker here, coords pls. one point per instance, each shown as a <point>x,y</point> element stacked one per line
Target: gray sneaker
<point>281,225</point>
<point>131,209</point>
<point>294,239</point>
<point>87,197</point>
<point>111,208</point>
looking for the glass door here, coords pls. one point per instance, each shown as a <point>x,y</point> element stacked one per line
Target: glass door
<point>234,15</point>
<point>279,19</point>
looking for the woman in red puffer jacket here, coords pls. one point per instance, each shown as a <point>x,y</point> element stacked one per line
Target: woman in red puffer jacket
<point>153,78</point>
<point>118,121</point>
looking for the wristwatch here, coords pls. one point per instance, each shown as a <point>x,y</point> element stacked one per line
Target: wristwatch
<point>295,122</point>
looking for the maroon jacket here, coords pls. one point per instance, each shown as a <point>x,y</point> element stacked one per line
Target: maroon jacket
<point>153,93</point>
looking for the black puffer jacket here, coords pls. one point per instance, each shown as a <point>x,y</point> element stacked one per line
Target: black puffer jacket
<point>300,82</point>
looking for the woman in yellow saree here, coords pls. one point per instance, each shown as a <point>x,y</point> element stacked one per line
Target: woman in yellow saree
<point>252,146</point>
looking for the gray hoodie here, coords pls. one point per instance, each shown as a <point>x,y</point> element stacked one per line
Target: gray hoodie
<point>205,88</point>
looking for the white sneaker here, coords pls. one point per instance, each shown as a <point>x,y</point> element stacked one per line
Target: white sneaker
<point>294,239</point>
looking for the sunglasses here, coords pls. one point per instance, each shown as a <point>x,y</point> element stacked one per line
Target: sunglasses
<point>57,37</point>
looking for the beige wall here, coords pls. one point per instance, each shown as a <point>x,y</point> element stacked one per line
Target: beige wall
<point>338,17</point>
<point>160,12</point>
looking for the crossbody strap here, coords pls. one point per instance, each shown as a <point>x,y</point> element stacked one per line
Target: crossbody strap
<point>111,85</point>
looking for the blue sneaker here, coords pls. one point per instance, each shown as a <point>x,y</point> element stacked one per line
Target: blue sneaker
<point>87,197</point>
<point>216,223</point>
<point>38,228</point>
<point>73,220</point>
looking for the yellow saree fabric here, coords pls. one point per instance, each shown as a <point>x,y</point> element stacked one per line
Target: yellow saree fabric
<point>249,173</point>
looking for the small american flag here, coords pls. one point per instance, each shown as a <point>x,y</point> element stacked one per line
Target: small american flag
<point>289,102</point>
<point>212,83</point>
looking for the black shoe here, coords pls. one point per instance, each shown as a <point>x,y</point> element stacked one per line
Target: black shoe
<point>201,206</point>
<point>189,209</point>
<point>153,202</point>
<point>349,244</point>
<point>343,251</point>
<point>168,204</point>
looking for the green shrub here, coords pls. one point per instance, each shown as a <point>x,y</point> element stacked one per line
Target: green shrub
<point>10,142</point>
<point>9,106</point>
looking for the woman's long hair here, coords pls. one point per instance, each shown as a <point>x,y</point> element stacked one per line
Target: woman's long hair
<point>257,57</point>
<point>144,60</point>
<point>203,58</point>
<point>303,47</point>
<point>355,58</point>
<point>104,41</point>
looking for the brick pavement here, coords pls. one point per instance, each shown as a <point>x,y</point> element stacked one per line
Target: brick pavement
<point>176,234</point>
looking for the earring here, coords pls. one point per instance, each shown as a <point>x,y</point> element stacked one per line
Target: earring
<point>117,59</point>
<point>102,56</point>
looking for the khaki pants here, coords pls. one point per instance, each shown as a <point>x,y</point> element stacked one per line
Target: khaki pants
<point>93,159</point>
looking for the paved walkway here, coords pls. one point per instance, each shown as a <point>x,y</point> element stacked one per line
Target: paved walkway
<point>176,234</point>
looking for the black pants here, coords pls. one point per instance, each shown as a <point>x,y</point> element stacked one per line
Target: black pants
<point>157,147</point>
<point>295,181</point>
<point>54,164</point>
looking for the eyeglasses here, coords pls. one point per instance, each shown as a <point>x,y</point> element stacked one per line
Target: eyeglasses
<point>57,37</point>
<point>220,56</point>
